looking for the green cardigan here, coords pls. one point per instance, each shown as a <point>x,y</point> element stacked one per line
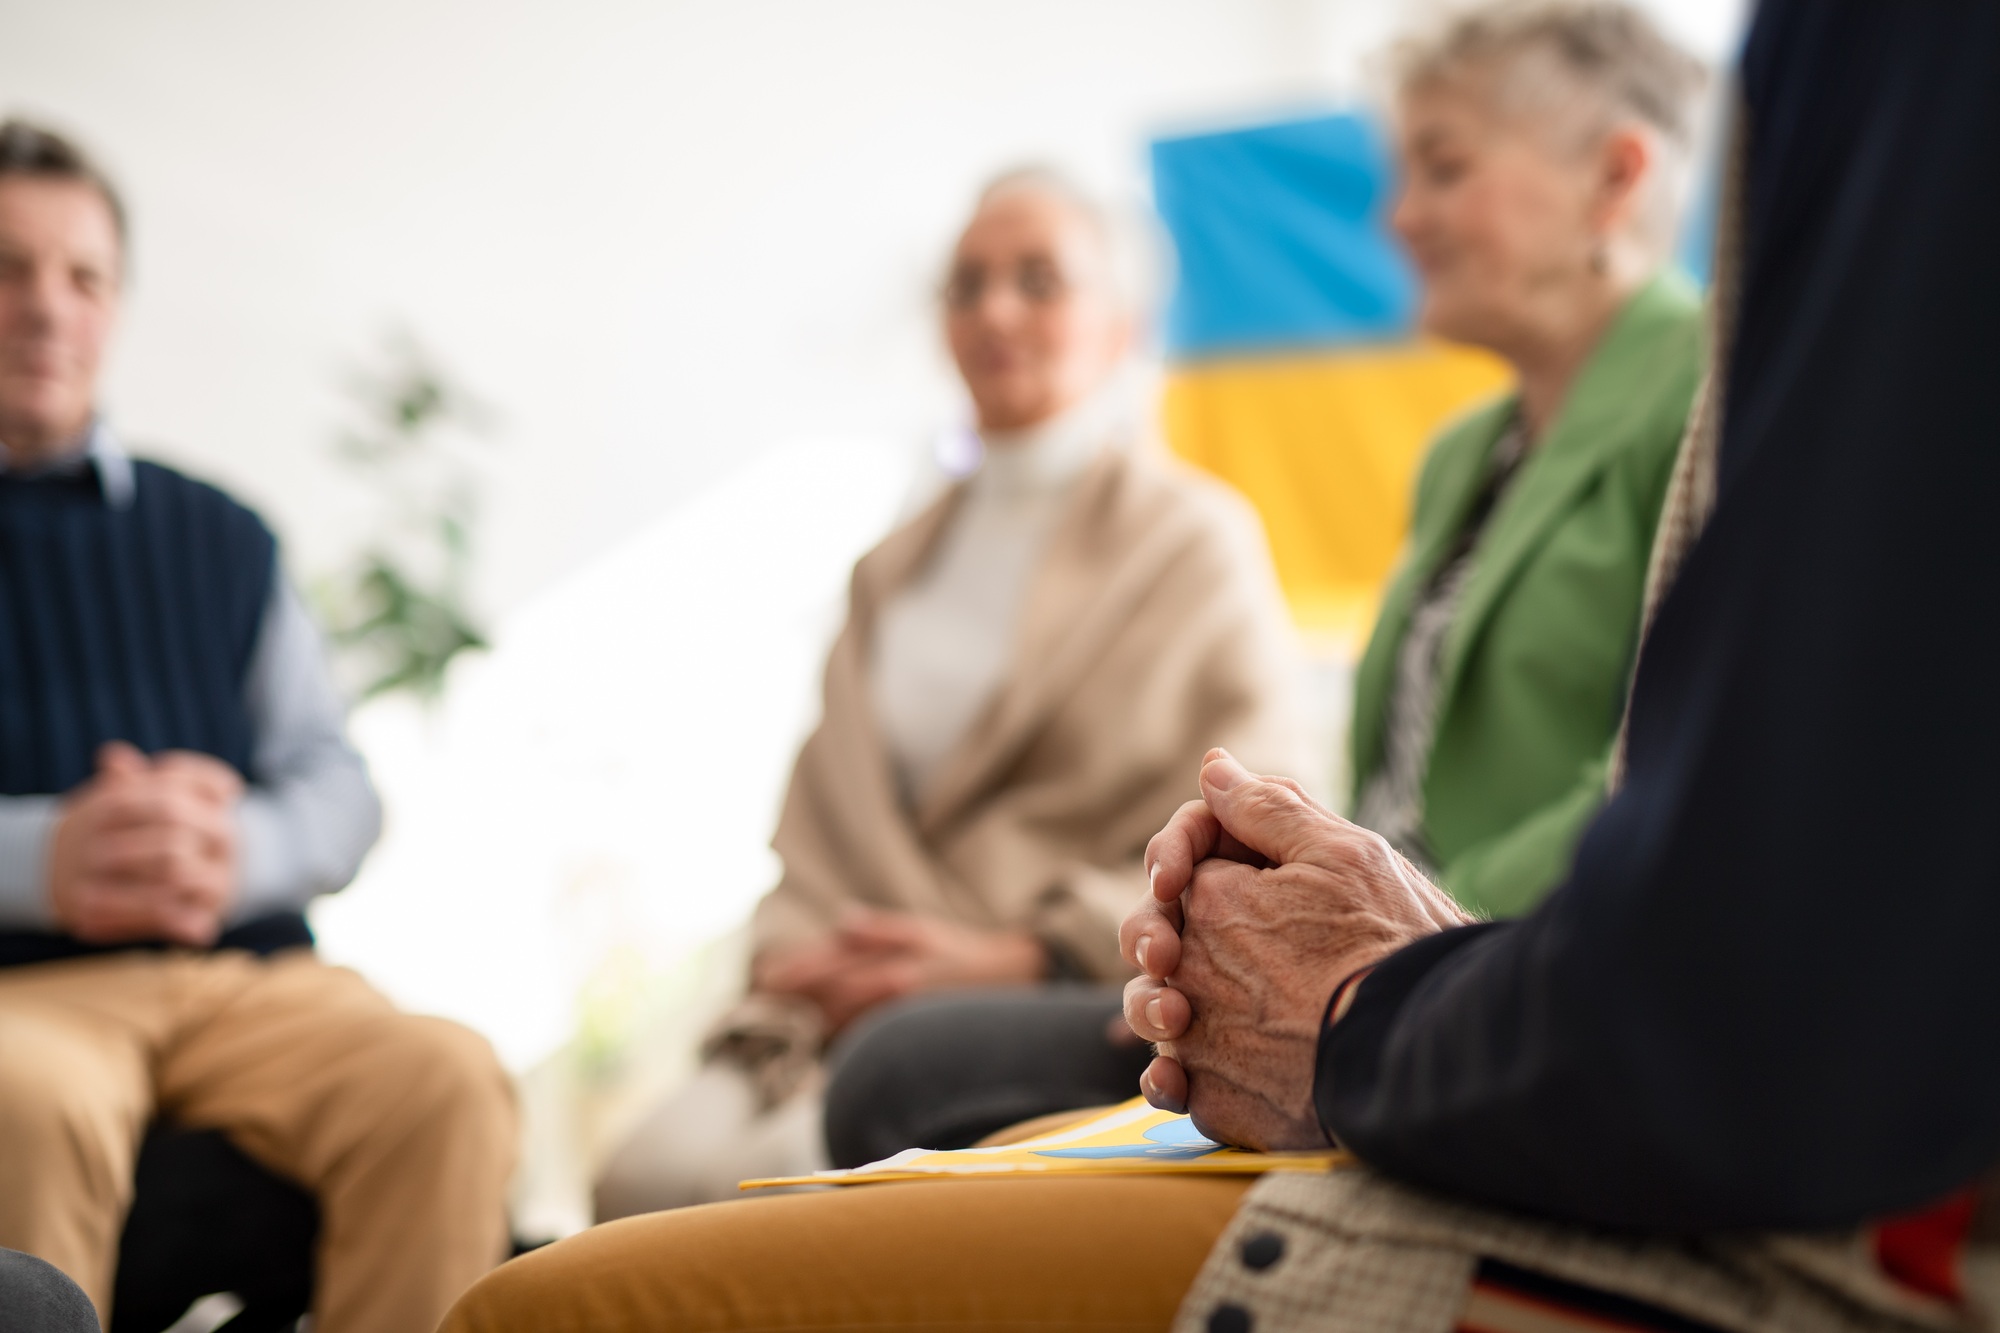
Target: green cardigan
<point>1537,662</point>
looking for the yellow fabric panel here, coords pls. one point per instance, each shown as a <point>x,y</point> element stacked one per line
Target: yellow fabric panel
<point>1326,446</point>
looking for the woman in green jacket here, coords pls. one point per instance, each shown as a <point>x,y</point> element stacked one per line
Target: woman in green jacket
<point>1491,691</point>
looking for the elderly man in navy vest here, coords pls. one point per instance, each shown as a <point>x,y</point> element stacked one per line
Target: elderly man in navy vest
<point>174,789</point>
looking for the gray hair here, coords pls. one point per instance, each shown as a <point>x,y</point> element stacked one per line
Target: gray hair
<point>1134,255</point>
<point>1606,51</point>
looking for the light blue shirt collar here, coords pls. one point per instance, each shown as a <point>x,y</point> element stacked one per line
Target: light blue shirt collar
<point>113,464</point>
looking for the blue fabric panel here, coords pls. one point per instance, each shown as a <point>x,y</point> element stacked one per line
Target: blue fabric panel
<point>1281,237</point>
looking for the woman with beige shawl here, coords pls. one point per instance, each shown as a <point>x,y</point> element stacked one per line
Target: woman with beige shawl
<point>1030,672</point>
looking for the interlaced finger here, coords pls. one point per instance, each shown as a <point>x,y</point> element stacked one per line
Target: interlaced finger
<point>1156,1012</point>
<point>1149,937</point>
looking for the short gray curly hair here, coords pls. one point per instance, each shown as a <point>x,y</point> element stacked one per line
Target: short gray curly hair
<point>1605,51</point>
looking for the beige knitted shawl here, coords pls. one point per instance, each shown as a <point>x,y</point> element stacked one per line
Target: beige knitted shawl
<point>1152,630</point>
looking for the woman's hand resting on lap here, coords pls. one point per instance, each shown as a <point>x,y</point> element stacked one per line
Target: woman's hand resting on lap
<point>1262,902</point>
<point>874,957</point>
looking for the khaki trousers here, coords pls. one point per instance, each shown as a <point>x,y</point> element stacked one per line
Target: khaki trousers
<point>402,1127</point>
<point>1048,1254</point>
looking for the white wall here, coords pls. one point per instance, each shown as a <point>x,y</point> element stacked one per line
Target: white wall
<point>658,237</point>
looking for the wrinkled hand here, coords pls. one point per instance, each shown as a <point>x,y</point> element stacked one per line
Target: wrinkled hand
<point>1262,902</point>
<point>146,849</point>
<point>873,957</point>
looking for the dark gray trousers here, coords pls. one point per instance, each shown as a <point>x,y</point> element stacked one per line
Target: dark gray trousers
<point>35,1297</point>
<point>946,1070</point>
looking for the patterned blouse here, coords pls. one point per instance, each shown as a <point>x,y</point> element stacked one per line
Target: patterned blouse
<point>1392,801</point>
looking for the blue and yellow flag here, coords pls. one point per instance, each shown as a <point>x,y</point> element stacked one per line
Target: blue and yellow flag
<point>1295,370</point>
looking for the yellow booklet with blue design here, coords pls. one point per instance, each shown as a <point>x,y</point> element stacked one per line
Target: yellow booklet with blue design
<point>1130,1139</point>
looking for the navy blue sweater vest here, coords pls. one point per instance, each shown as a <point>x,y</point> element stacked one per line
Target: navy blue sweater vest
<point>133,624</point>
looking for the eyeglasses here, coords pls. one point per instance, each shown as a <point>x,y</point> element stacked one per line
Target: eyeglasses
<point>1036,281</point>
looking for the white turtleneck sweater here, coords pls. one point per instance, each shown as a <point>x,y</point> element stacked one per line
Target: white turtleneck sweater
<point>945,641</point>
